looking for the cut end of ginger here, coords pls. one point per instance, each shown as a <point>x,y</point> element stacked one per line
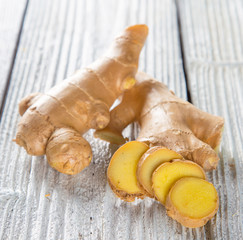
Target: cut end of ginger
<point>192,202</point>
<point>168,173</point>
<point>151,159</point>
<point>121,172</point>
<point>109,135</point>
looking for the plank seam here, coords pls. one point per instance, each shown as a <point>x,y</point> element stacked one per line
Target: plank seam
<point>9,76</point>
<point>182,51</point>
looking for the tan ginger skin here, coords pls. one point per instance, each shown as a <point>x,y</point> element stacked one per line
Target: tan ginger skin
<point>53,123</point>
<point>166,120</point>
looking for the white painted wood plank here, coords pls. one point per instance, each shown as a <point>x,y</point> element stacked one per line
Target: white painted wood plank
<point>58,37</point>
<point>212,40</point>
<point>11,14</point>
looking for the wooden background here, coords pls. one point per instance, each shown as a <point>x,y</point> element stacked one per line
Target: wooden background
<point>195,47</point>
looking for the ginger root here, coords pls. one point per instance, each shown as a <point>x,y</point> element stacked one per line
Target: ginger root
<point>192,202</point>
<point>53,123</point>
<point>168,173</point>
<point>166,120</point>
<point>149,162</point>
<point>121,172</point>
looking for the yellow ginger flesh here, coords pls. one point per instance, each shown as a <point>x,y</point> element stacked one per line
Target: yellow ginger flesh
<point>168,173</point>
<point>154,157</point>
<point>121,172</point>
<point>196,200</point>
<point>192,202</point>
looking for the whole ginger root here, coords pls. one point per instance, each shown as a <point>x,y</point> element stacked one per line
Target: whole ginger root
<point>53,123</point>
<point>166,120</point>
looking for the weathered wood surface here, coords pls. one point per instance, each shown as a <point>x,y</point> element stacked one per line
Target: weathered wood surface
<point>60,36</point>
<point>12,14</point>
<point>212,33</point>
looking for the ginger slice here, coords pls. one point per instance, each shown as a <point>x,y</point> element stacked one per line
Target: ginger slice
<point>121,171</point>
<point>192,202</point>
<point>151,159</point>
<point>168,173</point>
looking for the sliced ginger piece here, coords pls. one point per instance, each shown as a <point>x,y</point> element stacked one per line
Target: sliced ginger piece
<point>121,171</point>
<point>192,202</point>
<point>150,160</point>
<point>168,173</point>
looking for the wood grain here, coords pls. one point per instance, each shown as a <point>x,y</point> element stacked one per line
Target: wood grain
<point>60,36</point>
<point>212,43</point>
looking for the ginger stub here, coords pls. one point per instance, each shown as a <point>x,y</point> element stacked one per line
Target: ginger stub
<point>121,172</point>
<point>167,121</point>
<point>192,202</point>
<point>53,123</point>
<point>151,159</point>
<point>168,173</point>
